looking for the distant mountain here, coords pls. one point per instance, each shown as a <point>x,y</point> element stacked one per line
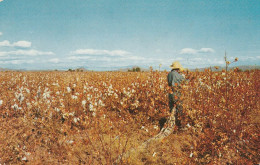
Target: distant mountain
<point>126,69</point>
<point>5,69</point>
<point>130,68</point>
<point>2,69</point>
<point>247,67</point>
<point>242,67</point>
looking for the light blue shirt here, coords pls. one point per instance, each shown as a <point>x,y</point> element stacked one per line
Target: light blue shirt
<point>174,78</point>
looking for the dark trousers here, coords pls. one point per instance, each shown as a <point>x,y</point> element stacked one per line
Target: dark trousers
<point>174,101</point>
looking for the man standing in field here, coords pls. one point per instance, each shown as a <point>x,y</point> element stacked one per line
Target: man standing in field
<point>174,81</point>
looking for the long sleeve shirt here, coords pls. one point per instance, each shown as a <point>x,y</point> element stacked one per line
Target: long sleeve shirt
<point>174,78</point>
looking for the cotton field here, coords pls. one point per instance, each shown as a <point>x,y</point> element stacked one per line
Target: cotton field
<point>94,117</point>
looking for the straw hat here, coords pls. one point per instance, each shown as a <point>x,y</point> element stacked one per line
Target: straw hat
<point>176,65</point>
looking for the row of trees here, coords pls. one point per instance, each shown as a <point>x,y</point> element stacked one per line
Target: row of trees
<point>135,69</point>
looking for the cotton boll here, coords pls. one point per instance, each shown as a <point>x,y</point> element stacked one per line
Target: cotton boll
<point>68,89</point>
<point>83,103</point>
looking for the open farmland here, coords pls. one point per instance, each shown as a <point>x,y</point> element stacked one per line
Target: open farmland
<point>94,117</point>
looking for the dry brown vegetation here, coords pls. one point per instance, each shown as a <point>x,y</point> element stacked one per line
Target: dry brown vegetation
<point>94,117</point>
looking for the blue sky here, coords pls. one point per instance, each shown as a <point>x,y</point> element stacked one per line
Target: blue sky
<point>112,34</point>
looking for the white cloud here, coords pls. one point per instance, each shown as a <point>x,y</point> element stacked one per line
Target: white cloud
<point>188,51</point>
<point>110,58</point>
<point>22,62</point>
<point>31,52</point>
<point>5,43</point>
<point>79,58</point>
<point>194,51</point>
<point>247,58</point>
<point>110,62</point>
<point>206,50</point>
<point>137,58</point>
<point>15,62</point>
<point>54,60</point>
<point>179,59</point>
<point>203,62</point>
<point>1,0</point>
<point>21,44</point>
<point>100,52</point>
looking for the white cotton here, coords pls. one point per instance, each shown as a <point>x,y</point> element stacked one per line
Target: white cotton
<point>74,97</point>
<point>27,90</point>
<point>16,107</point>
<point>76,119</point>
<point>57,109</point>
<point>84,103</point>
<point>20,97</point>
<point>70,141</point>
<point>91,107</point>
<point>68,89</point>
